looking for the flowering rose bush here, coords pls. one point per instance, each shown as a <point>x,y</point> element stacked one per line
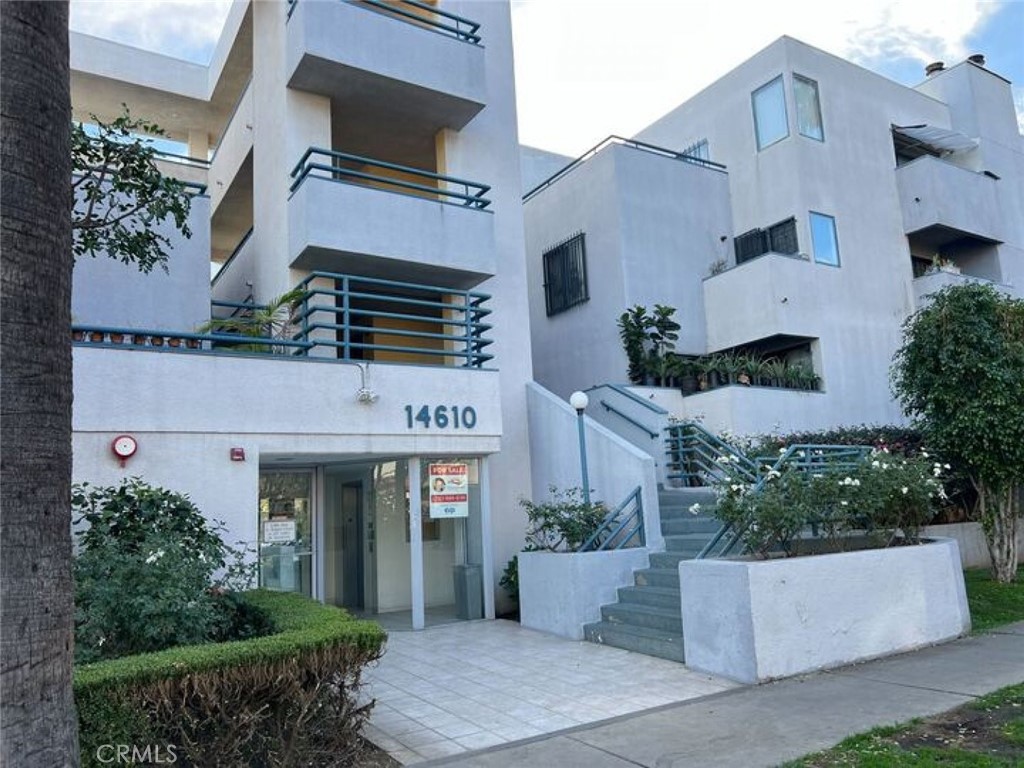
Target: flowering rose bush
<point>886,499</point>
<point>150,573</point>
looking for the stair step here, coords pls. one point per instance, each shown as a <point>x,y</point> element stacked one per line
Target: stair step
<point>659,597</point>
<point>652,642</point>
<point>689,524</point>
<point>686,543</point>
<point>671,559</point>
<point>636,615</point>
<point>684,513</point>
<point>657,577</point>
<point>685,497</point>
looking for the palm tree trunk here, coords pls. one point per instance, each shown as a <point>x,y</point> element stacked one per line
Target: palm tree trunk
<point>36,612</point>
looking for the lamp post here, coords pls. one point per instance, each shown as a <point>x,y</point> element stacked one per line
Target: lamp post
<point>579,401</point>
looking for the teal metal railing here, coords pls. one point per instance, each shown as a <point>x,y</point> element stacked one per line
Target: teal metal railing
<point>183,341</point>
<point>697,457</point>
<point>428,16</point>
<point>621,528</point>
<point>350,314</point>
<point>354,169</point>
<point>705,459</point>
<point>431,16</point>
<point>343,317</point>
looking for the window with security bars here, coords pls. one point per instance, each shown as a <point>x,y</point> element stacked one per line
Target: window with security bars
<point>778,238</point>
<point>565,275</point>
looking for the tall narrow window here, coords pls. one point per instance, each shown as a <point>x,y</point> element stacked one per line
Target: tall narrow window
<point>565,275</point>
<point>808,108</point>
<point>823,239</point>
<point>771,123</point>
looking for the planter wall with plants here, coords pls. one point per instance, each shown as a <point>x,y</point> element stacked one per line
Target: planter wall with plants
<point>559,592</point>
<point>754,621</point>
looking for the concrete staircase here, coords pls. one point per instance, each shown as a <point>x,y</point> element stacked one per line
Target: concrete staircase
<point>647,618</point>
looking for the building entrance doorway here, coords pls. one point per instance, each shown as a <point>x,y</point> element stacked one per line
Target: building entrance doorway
<point>346,544</point>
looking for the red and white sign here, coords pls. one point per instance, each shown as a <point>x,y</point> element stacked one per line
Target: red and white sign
<point>448,490</point>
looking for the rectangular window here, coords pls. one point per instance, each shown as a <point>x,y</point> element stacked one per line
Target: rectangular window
<point>808,108</point>
<point>565,275</point>
<point>823,239</point>
<point>771,123</point>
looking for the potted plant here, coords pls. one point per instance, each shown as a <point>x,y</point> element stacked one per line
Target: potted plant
<point>633,333</point>
<point>751,370</point>
<point>775,372</point>
<point>707,372</point>
<point>262,323</point>
<point>729,365</point>
<point>687,370</point>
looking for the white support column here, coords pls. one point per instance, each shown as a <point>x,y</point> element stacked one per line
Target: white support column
<point>485,534</point>
<point>416,543</point>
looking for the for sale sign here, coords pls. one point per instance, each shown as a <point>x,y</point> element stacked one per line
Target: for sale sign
<point>449,490</point>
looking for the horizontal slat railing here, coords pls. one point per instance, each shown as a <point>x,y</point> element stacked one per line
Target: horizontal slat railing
<point>354,169</point>
<point>348,318</point>
<point>620,527</point>
<point>455,316</point>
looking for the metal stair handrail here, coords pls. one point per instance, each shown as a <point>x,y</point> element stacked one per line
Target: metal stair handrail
<point>699,454</point>
<point>619,526</point>
<point>808,458</point>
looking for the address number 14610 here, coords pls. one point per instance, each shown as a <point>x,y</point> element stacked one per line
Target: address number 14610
<point>441,416</point>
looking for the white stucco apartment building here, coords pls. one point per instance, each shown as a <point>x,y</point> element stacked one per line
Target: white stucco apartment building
<point>798,207</point>
<point>366,152</point>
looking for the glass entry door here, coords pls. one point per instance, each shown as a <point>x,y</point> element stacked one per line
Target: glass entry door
<point>286,535</point>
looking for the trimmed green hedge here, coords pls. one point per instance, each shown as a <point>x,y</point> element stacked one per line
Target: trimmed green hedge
<point>289,698</point>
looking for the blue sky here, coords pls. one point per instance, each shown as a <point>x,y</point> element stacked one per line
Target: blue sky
<point>589,68</point>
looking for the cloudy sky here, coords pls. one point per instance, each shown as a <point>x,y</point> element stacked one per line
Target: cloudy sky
<point>589,68</point>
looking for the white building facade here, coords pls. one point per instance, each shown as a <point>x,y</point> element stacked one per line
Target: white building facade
<point>365,152</point>
<point>836,201</point>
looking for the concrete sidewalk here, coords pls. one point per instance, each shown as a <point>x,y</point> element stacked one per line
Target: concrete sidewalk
<point>770,724</point>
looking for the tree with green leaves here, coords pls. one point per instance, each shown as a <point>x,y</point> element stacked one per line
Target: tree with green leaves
<point>960,376</point>
<point>120,194</point>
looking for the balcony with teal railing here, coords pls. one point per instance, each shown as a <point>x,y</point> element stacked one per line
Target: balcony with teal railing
<point>330,317</point>
<point>377,218</point>
<point>406,59</point>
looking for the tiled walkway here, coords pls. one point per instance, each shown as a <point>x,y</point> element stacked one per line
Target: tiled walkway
<point>476,684</point>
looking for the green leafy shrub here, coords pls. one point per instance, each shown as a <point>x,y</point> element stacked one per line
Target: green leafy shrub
<point>286,699</point>
<point>150,573</point>
<point>885,500</point>
<point>510,578</point>
<point>960,376</point>
<point>563,523</point>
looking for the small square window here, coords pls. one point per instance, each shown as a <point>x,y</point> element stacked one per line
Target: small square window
<point>823,239</point>
<point>771,123</point>
<point>808,108</point>
<point>565,275</point>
